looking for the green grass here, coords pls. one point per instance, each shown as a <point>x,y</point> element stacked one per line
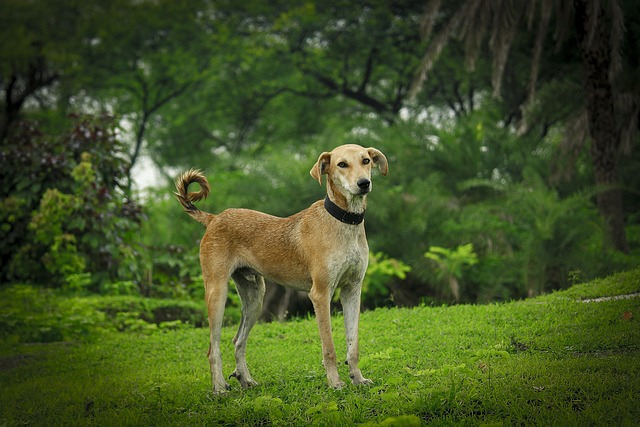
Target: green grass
<point>552,360</point>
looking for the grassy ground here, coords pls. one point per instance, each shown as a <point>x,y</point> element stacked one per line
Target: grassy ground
<point>553,360</point>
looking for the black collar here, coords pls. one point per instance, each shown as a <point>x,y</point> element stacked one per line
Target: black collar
<point>341,215</point>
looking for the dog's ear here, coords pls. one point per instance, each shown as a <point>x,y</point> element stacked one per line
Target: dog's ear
<point>379,160</point>
<point>321,166</point>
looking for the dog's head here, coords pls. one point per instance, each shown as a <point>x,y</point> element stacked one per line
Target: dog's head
<point>349,167</point>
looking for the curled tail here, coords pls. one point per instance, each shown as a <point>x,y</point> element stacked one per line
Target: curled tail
<point>187,198</point>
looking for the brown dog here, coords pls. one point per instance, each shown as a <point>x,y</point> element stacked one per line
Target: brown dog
<point>317,250</point>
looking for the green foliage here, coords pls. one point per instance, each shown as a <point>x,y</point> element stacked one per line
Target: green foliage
<point>61,255</point>
<point>477,184</point>
<point>29,314</point>
<point>400,421</point>
<point>547,232</point>
<point>65,206</point>
<point>170,242</point>
<point>35,315</point>
<point>145,315</point>
<point>380,272</point>
<point>125,287</point>
<point>77,284</point>
<point>450,264</point>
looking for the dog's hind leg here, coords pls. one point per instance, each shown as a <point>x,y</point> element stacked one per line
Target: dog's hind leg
<point>251,291</point>
<point>216,297</point>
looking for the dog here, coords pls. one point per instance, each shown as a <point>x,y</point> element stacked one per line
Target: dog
<point>317,250</point>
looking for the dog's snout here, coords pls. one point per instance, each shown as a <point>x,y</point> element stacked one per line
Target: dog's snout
<point>364,183</point>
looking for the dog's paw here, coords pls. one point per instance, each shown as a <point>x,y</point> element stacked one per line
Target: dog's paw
<point>363,381</point>
<point>221,388</point>
<point>337,385</point>
<point>358,379</point>
<point>245,380</point>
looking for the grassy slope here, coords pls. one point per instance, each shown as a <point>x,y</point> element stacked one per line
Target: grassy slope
<point>550,360</point>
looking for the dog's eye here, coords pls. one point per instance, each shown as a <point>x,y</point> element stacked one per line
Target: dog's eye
<point>365,161</point>
<point>342,165</point>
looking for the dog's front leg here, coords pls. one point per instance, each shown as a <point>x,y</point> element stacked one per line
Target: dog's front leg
<point>320,296</point>
<point>350,299</point>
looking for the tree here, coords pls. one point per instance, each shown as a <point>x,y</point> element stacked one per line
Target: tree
<point>39,41</point>
<point>598,32</point>
<point>598,29</point>
<point>365,54</point>
<point>284,71</point>
<point>141,56</point>
<point>125,58</point>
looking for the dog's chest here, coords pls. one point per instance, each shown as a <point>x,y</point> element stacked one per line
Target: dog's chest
<point>349,262</point>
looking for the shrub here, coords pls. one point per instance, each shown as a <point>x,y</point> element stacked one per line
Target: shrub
<point>30,314</point>
<point>381,271</point>
<point>64,205</point>
<point>126,312</point>
<point>450,264</point>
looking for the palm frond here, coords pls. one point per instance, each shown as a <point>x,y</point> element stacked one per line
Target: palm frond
<point>473,29</point>
<point>541,33</point>
<point>575,138</point>
<point>429,17</point>
<point>564,21</point>
<point>593,11</point>
<point>507,16</point>
<point>617,34</point>
<point>436,46</point>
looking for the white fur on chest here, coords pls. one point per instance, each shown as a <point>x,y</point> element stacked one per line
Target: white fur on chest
<point>348,263</point>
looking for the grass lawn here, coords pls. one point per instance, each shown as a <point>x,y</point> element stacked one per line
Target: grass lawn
<point>552,360</point>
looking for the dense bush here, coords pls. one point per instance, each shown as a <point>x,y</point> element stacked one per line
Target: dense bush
<point>136,313</point>
<point>36,314</point>
<point>64,205</point>
<point>30,314</point>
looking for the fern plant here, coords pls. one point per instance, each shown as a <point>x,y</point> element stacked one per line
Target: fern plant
<point>450,264</point>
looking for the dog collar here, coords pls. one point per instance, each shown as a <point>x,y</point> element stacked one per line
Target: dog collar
<point>341,215</point>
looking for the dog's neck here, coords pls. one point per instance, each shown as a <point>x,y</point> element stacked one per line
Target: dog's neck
<point>341,214</point>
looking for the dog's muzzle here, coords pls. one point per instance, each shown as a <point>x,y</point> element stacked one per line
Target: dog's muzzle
<point>364,185</point>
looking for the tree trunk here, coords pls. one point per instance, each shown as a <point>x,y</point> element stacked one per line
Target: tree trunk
<point>454,286</point>
<point>12,104</point>
<point>595,49</point>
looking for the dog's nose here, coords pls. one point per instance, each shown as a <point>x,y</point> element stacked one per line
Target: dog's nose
<point>364,183</point>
